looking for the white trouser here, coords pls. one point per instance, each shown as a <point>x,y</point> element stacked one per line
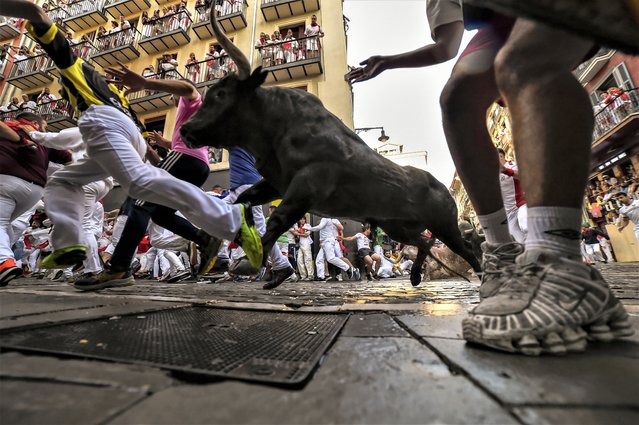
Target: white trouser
<point>93,192</point>
<point>175,264</point>
<point>331,250</point>
<point>173,243</point>
<point>405,265</point>
<point>111,138</point>
<point>116,234</point>
<point>305,261</point>
<point>278,261</point>
<point>593,251</point>
<point>16,197</point>
<point>522,218</point>
<point>608,251</point>
<point>20,224</point>
<point>514,227</point>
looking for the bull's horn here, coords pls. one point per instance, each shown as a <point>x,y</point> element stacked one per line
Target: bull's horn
<point>242,63</point>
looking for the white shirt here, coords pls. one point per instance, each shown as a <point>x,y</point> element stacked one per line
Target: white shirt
<point>631,212</point>
<point>305,240</point>
<point>362,241</point>
<point>442,12</point>
<point>327,229</point>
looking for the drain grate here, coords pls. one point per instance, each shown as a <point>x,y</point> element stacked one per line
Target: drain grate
<point>253,345</point>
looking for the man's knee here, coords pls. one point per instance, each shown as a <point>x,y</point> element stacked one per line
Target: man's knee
<point>464,90</point>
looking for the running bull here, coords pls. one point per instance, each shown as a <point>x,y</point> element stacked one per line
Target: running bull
<point>315,163</point>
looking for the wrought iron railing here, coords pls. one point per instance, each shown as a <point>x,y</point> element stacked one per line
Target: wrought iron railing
<point>202,12</point>
<point>83,49</point>
<point>58,13</point>
<point>289,51</point>
<point>55,110</point>
<point>163,75</point>
<point>82,7</point>
<point>616,110</point>
<point>9,115</point>
<point>121,38</point>
<point>30,65</point>
<point>168,23</point>
<point>210,69</point>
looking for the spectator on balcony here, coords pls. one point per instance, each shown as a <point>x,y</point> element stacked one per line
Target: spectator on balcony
<point>314,31</point>
<point>14,104</point>
<point>212,64</point>
<point>149,72</point>
<point>219,4</point>
<point>168,64</point>
<point>46,96</point>
<point>27,104</point>
<point>70,38</point>
<point>278,50</point>
<point>146,24</point>
<point>193,68</point>
<point>290,47</point>
<point>156,24</point>
<point>183,16</point>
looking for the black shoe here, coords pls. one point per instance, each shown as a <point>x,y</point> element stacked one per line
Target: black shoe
<point>178,277</point>
<point>208,253</point>
<point>279,276</point>
<point>107,278</point>
<point>369,278</point>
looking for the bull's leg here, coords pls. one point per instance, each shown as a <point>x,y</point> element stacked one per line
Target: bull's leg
<point>260,193</point>
<point>423,246</point>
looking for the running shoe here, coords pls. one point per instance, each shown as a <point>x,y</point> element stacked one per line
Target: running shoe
<point>279,276</point>
<point>8,271</point>
<point>547,304</point>
<point>494,263</point>
<point>178,276</point>
<point>208,253</point>
<point>249,239</point>
<point>65,257</point>
<point>107,278</point>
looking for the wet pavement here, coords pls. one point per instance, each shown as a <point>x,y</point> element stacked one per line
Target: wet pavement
<point>398,359</point>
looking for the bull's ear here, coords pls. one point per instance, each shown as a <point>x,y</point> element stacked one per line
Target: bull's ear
<point>256,79</point>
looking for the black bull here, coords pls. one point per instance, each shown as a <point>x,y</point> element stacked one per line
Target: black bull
<point>313,162</point>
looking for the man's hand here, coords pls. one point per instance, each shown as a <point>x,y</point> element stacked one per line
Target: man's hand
<point>155,138</point>
<point>371,68</point>
<point>133,81</point>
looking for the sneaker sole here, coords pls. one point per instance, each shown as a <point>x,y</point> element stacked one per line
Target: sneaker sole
<point>127,281</point>
<point>178,278</point>
<point>612,324</point>
<point>8,275</point>
<point>209,263</point>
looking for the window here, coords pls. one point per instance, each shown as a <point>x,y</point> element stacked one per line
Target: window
<point>157,124</point>
<point>618,77</point>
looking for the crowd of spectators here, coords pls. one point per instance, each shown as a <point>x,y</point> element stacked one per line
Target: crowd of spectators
<point>278,49</point>
<point>614,106</point>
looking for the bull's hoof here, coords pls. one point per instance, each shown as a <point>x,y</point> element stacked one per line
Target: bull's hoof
<point>415,278</point>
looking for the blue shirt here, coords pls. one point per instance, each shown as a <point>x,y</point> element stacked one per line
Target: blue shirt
<point>242,168</point>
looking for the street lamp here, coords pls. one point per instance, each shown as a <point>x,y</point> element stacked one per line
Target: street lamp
<point>382,139</point>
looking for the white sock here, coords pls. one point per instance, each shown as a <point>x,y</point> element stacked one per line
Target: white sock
<point>495,227</point>
<point>555,228</point>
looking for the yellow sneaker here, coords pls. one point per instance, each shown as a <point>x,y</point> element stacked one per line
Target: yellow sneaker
<point>249,239</point>
<point>65,257</point>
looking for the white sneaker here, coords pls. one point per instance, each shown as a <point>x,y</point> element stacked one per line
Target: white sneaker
<point>494,263</point>
<point>547,304</point>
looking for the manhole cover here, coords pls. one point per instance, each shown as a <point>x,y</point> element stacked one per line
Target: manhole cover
<point>263,346</point>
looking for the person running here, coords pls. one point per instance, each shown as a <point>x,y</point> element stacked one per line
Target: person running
<point>628,212</point>
<point>115,148</point>
<point>330,251</point>
<point>365,252</point>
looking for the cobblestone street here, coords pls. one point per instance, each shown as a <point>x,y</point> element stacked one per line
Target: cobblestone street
<point>398,359</point>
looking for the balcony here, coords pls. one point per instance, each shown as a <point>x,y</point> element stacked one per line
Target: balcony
<point>8,29</point>
<point>82,50</point>
<point>292,59</point>
<point>58,15</point>
<point>618,118</point>
<point>208,72</point>
<point>84,14</point>
<point>166,33</point>
<point>9,115</point>
<point>117,46</point>
<point>279,9</point>
<point>117,8</point>
<point>30,73</point>
<point>58,114</point>
<point>587,70</point>
<point>231,18</point>
<point>145,101</point>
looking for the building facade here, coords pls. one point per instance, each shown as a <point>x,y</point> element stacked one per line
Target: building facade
<point>171,39</point>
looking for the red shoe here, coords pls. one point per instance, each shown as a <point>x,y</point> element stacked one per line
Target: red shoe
<point>8,271</point>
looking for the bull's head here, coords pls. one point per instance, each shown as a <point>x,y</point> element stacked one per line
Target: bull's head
<point>224,101</point>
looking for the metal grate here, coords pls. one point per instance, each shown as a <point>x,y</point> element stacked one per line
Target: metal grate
<point>263,346</point>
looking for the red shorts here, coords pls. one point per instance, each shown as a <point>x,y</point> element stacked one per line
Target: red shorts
<point>491,36</point>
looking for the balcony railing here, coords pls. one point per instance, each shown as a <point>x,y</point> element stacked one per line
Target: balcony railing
<point>617,112</point>
<point>290,59</point>
<point>279,9</point>
<point>230,16</point>
<point>117,8</point>
<point>59,12</point>
<point>58,114</point>
<point>85,14</point>
<point>150,100</point>
<point>207,72</point>
<point>116,46</point>
<point>83,50</point>
<point>31,72</point>
<point>8,28</point>
<point>10,115</point>
<point>165,33</point>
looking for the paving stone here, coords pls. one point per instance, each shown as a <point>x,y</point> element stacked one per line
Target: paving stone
<point>584,416</point>
<point>31,402</point>
<point>15,365</point>
<point>364,380</point>
<point>16,305</point>
<point>605,375</point>
<point>440,326</point>
<point>371,325</point>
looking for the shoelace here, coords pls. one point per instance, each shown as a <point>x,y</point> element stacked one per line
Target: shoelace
<point>520,279</point>
<point>494,263</point>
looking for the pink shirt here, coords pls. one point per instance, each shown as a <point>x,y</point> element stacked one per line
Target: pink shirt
<point>186,108</point>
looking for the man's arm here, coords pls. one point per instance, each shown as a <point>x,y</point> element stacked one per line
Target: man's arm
<point>69,138</point>
<point>320,226</point>
<point>600,233</point>
<point>447,41</point>
<point>623,223</point>
<point>7,133</point>
<point>136,82</point>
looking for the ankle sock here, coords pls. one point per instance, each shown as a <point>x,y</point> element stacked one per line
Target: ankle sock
<point>555,228</point>
<point>495,226</point>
